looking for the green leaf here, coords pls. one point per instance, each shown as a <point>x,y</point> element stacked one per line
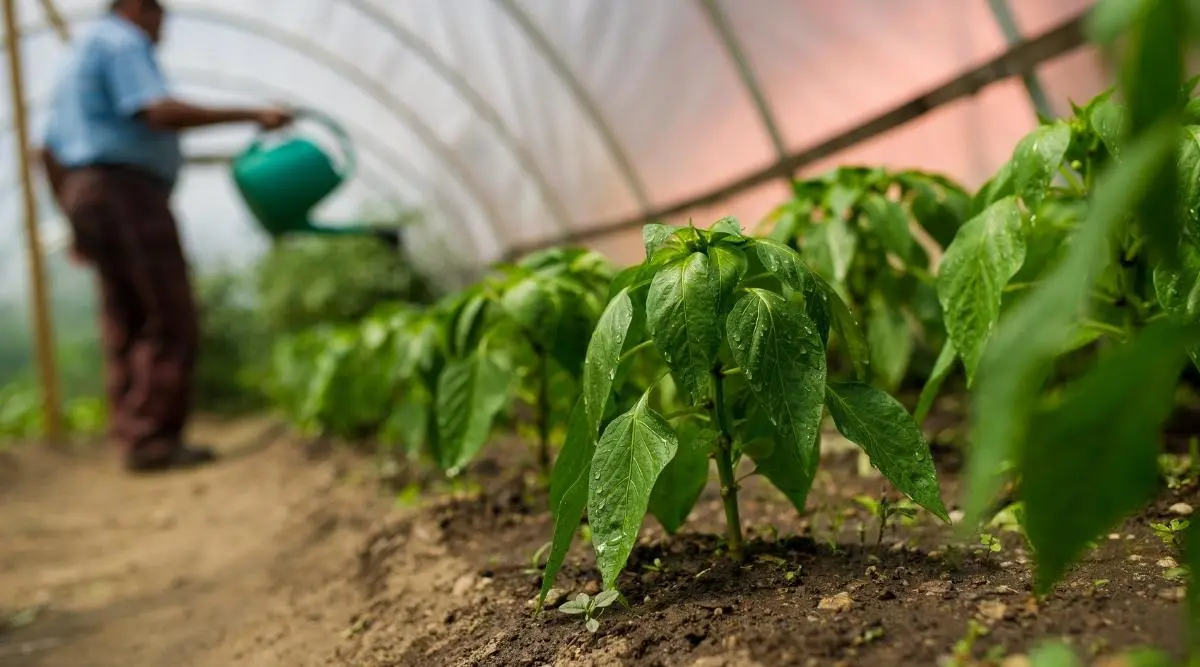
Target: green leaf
<point>1112,18</point>
<point>470,393</point>
<point>1108,120</point>
<point>890,338</point>
<point>1178,289</point>
<point>878,423</point>
<point>604,355</point>
<point>832,245</point>
<point>1024,345</point>
<point>841,198</point>
<point>730,265</point>
<point>569,490</point>
<point>781,355</point>
<point>890,222</point>
<point>1153,75</point>
<point>1189,181</point>
<point>633,451</point>
<point>847,327</point>
<point>1101,443</point>
<point>1000,186</point>
<point>1053,655</point>
<point>655,234</point>
<point>727,227</point>
<point>1191,560</point>
<point>681,314</point>
<point>782,262</point>
<point>985,255</point>
<point>1036,160</point>
<point>683,480</point>
<point>941,370</point>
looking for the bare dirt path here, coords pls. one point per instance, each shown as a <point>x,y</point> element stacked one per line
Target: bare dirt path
<point>249,562</point>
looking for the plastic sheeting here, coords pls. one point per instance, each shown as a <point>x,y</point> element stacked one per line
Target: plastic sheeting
<point>512,121</point>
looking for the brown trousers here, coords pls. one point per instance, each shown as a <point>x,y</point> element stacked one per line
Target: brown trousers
<point>125,230</point>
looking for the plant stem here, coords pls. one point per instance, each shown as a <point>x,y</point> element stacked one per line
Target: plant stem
<point>543,411</point>
<point>634,350</point>
<point>729,484</point>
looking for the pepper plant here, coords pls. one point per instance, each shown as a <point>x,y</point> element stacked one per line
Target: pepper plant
<point>1086,454</point>
<point>873,235</point>
<point>526,325</point>
<point>741,327</point>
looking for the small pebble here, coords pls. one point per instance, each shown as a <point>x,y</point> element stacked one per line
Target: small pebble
<point>1168,563</point>
<point>1182,509</point>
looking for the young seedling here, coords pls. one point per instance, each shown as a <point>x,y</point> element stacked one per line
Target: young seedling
<point>590,607</point>
<point>731,335</point>
<point>883,510</point>
<point>1171,533</point>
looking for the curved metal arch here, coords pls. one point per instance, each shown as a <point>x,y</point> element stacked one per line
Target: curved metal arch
<point>299,44</point>
<point>733,48</point>
<point>538,41</point>
<point>472,97</point>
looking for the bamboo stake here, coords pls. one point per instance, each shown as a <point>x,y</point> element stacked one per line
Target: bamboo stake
<point>43,330</point>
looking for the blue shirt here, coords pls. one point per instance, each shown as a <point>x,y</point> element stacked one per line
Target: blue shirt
<point>111,75</point>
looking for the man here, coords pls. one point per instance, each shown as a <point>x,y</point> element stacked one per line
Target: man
<point>112,155</point>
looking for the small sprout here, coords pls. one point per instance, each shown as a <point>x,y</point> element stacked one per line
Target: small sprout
<point>1171,533</point>
<point>656,566</point>
<point>991,543</point>
<point>535,562</point>
<point>588,606</point>
<point>883,510</point>
<point>791,576</point>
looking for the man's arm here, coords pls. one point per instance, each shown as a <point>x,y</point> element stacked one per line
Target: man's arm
<point>140,91</point>
<point>172,114</point>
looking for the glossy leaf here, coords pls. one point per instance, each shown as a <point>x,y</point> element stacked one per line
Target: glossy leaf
<point>569,490</point>
<point>843,321</point>
<point>1036,160</point>
<point>470,393</point>
<point>683,480</point>
<point>985,255</point>
<point>681,314</point>
<point>832,245</point>
<point>1110,419</point>
<point>729,265</point>
<point>783,360</point>
<point>629,457</point>
<point>878,423</point>
<point>941,370</point>
<point>1023,346</point>
<point>890,222</point>
<point>604,355</point>
<point>1189,182</point>
<point>891,340</point>
<point>654,235</point>
<point>782,262</point>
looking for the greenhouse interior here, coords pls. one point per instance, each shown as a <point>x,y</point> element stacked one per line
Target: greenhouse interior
<point>523,333</point>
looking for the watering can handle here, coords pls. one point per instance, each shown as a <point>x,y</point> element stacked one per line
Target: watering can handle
<point>332,125</point>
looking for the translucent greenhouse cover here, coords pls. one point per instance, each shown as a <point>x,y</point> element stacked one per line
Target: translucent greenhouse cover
<point>508,122</point>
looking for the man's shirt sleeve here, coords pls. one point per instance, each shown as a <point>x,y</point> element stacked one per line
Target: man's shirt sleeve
<point>134,78</point>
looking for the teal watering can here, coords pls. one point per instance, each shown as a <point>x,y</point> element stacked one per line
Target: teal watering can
<point>283,181</point>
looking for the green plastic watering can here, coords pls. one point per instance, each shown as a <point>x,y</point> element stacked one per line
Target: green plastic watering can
<point>283,181</point>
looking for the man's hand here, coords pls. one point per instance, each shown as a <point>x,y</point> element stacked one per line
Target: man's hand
<point>273,119</point>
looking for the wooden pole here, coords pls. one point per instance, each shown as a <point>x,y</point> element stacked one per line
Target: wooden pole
<point>43,330</point>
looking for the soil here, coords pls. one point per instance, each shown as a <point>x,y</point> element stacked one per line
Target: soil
<point>286,555</point>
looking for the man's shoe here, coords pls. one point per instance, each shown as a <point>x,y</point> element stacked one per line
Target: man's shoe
<point>185,456</point>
